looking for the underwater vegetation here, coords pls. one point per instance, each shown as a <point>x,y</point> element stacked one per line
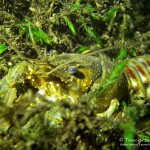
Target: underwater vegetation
<point>74,74</point>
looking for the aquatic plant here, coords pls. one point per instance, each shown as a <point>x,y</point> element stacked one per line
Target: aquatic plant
<point>132,134</point>
<point>129,127</point>
<point>74,24</point>
<point>38,35</point>
<point>83,9</point>
<point>114,75</point>
<point>2,47</point>
<point>12,47</point>
<point>70,25</point>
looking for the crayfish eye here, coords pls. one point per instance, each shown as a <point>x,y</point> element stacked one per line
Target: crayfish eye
<point>75,72</point>
<point>72,69</point>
